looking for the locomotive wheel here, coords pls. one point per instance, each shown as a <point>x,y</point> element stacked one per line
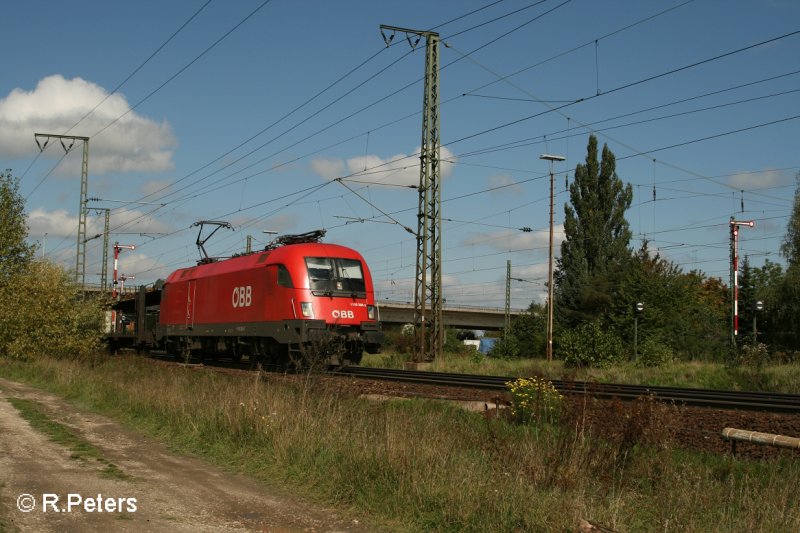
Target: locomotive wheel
<point>236,351</point>
<point>353,356</point>
<point>185,350</point>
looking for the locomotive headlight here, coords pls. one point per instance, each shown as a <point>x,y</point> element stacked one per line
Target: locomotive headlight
<point>371,312</point>
<point>307,309</point>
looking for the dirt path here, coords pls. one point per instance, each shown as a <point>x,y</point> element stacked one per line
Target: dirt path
<point>159,491</point>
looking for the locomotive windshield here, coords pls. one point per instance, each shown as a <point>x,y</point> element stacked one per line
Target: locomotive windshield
<point>333,276</point>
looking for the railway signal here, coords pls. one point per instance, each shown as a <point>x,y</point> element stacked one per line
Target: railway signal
<point>117,248</point>
<point>734,225</point>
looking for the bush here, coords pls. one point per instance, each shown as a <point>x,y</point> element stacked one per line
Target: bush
<point>753,355</point>
<point>52,319</point>
<point>653,353</point>
<point>590,345</point>
<point>452,344</point>
<point>400,341</point>
<point>506,348</point>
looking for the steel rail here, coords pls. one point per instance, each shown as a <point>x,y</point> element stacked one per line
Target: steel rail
<point>713,398</point>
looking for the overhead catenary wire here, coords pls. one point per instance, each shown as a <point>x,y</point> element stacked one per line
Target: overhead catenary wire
<point>184,68</point>
<point>494,40</point>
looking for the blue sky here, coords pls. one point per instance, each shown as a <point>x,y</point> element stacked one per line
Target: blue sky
<point>249,111</point>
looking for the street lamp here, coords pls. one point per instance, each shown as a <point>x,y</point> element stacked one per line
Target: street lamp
<point>638,308</point>
<point>551,158</point>
<point>758,306</point>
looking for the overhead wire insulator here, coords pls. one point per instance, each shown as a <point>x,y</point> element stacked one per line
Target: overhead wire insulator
<point>387,40</point>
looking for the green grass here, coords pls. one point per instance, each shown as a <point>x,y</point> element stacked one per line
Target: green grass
<point>417,465</point>
<point>79,448</point>
<point>693,374</point>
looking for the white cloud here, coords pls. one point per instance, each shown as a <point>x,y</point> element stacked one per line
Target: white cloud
<point>329,169</point>
<point>400,169</point>
<point>132,143</point>
<point>136,221</point>
<point>533,273</point>
<point>56,223</point>
<point>450,281</point>
<point>60,223</point>
<point>153,186</point>
<point>760,179</point>
<point>141,266</point>
<point>504,184</point>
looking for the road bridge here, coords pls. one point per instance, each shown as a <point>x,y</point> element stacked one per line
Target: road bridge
<point>462,317</point>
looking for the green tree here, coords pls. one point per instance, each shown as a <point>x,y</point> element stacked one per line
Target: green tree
<point>684,312</point>
<point>747,300</point>
<point>527,338</point>
<point>15,252</point>
<point>595,250</point>
<point>768,285</point>
<point>788,315</point>
<point>53,318</point>
<point>790,248</point>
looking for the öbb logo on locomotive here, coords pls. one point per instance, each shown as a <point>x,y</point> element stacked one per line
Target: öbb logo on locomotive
<point>242,296</point>
<point>342,313</point>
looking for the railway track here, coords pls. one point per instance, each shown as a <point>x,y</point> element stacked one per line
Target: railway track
<point>772,402</point>
<point>720,399</point>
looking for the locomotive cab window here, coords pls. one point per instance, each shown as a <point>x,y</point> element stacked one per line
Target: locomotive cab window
<point>335,276</point>
<point>284,278</point>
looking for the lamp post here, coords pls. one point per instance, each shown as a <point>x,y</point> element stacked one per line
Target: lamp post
<point>758,306</point>
<point>638,308</point>
<point>551,158</point>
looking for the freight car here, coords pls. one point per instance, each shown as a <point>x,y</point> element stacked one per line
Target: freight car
<point>299,300</point>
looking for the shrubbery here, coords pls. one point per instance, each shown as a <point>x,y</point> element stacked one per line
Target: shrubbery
<point>42,311</point>
<point>653,353</point>
<point>506,348</point>
<point>590,345</point>
<point>51,318</point>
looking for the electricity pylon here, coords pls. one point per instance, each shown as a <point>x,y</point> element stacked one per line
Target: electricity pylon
<point>80,255</point>
<point>428,299</point>
<point>507,323</point>
<point>104,270</point>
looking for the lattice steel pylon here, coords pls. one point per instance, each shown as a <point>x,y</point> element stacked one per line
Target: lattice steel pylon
<point>80,255</point>
<point>507,322</point>
<point>104,269</point>
<point>428,298</point>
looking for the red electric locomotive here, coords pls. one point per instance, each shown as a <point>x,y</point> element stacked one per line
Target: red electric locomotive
<point>298,300</point>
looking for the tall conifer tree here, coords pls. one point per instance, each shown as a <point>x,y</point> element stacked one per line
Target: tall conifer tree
<point>597,235</point>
